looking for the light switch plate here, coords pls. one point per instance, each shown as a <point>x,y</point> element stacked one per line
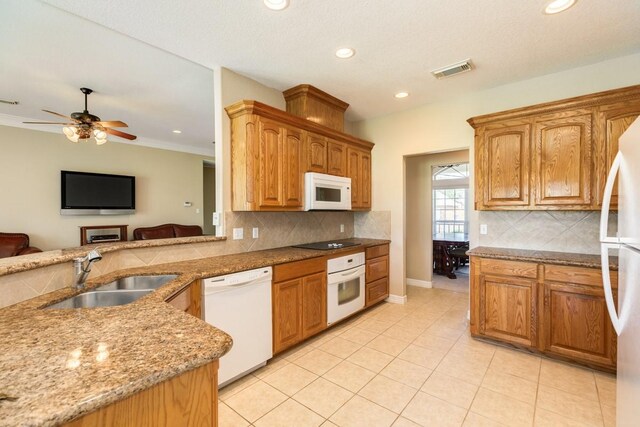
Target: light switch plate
<point>483,229</point>
<point>342,228</point>
<point>215,219</point>
<point>238,233</point>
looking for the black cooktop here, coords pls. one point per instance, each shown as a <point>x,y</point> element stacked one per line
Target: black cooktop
<point>326,246</point>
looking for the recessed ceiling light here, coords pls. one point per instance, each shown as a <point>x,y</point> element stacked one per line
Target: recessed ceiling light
<point>401,95</point>
<point>557,6</point>
<point>345,52</point>
<point>276,4</point>
<point>177,131</point>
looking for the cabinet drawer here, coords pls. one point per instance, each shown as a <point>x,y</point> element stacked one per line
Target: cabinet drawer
<point>509,268</point>
<point>377,251</point>
<point>292,270</point>
<point>377,268</point>
<point>377,291</point>
<point>578,275</point>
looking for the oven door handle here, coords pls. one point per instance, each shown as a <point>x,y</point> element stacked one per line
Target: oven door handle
<point>345,276</point>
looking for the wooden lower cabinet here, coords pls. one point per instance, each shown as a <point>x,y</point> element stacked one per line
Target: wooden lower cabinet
<point>299,301</point>
<point>376,274</point>
<point>190,399</point>
<point>189,299</point>
<point>556,310</point>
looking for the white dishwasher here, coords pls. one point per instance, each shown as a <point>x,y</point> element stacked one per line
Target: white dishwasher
<point>240,305</point>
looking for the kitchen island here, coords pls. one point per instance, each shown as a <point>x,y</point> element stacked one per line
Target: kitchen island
<point>59,365</point>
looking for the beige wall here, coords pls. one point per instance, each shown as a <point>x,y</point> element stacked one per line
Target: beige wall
<point>30,165</point>
<point>442,126</point>
<point>209,198</point>
<point>419,244</point>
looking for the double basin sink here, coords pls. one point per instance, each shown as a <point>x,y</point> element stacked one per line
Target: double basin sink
<point>119,292</point>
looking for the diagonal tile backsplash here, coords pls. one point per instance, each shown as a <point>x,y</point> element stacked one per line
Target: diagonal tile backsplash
<point>562,231</point>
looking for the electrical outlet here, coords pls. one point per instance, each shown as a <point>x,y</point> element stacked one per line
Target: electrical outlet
<point>342,228</point>
<point>238,233</point>
<point>255,232</point>
<point>197,210</point>
<point>483,229</point>
<point>215,219</point>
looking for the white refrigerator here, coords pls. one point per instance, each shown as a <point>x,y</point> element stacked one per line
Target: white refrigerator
<point>626,243</point>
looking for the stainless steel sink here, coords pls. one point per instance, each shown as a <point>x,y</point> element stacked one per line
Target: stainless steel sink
<point>137,282</point>
<point>102,299</point>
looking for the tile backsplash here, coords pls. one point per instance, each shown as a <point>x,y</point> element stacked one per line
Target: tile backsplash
<point>562,231</point>
<point>373,224</point>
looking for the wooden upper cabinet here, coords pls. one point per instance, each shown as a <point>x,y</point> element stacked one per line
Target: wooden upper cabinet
<point>613,121</point>
<point>562,161</point>
<point>572,145</point>
<point>359,170</point>
<point>504,163</point>
<point>336,158</point>
<point>271,151</point>
<point>316,153</point>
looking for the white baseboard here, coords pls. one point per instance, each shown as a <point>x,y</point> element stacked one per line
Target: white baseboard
<point>396,299</point>
<point>419,283</point>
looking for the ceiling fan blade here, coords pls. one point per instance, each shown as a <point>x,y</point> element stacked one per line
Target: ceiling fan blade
<point>120,134</point>
<point>50,123</point>
<point>112,124</point>
<point>60,115</point>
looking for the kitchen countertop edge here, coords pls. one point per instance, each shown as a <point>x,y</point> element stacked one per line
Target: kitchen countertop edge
<point>547,257</point>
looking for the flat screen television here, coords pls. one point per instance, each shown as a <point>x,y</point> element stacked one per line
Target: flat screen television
<point>84,193</point>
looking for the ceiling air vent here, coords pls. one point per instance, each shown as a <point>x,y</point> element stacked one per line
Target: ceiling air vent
<point>450,70</point>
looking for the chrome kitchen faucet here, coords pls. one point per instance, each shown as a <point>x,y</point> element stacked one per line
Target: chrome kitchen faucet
<point>82,267</point>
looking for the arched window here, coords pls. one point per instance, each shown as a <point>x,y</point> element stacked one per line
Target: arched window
<point>450,185</point>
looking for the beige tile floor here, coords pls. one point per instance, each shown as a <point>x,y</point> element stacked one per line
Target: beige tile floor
<point>415,365</point>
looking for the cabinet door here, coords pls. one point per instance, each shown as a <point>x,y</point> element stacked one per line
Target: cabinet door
<point>365,183</point>
<point>287,314</point>
<point>562,161</point>
<point>314,304</point>
<point>316,153</point>
<point>292,168</point>
<point>613,121</point>
<point>271,160</point>
<point>577,325</point>
<point>508,309</point>
<point>354,171</point>
<point>502,169</point>
<point>336,158</point>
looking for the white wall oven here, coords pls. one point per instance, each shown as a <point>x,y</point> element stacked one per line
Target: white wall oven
<point>345,286</point>
<point>326,192</point>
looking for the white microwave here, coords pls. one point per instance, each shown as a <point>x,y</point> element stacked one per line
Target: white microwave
<point>326,192</point>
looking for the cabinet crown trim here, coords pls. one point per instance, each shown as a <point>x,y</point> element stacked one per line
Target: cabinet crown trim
<point>244,107</point>
<point>594,99</point>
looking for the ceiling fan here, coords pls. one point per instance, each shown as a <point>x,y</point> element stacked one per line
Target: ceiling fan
<point>83,125</point>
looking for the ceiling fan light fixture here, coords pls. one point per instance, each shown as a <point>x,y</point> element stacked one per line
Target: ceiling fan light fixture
<point>100,141</point>
<point>557,6</point>
<point>99,134</point>
<point>71,132</point>
<point>276,4</point>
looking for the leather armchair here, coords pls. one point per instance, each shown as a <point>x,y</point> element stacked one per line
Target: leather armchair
<point>166,231</point>
<point>14,244</point>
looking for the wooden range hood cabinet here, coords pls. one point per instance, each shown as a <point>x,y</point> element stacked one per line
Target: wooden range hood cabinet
<point>311,103</point>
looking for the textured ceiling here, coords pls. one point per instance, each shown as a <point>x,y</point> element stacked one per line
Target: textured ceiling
<point>397,43</point>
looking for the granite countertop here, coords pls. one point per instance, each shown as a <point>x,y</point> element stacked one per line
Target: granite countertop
<point>547,257</point>
<point>61,364</point>
<point>42,259</point>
